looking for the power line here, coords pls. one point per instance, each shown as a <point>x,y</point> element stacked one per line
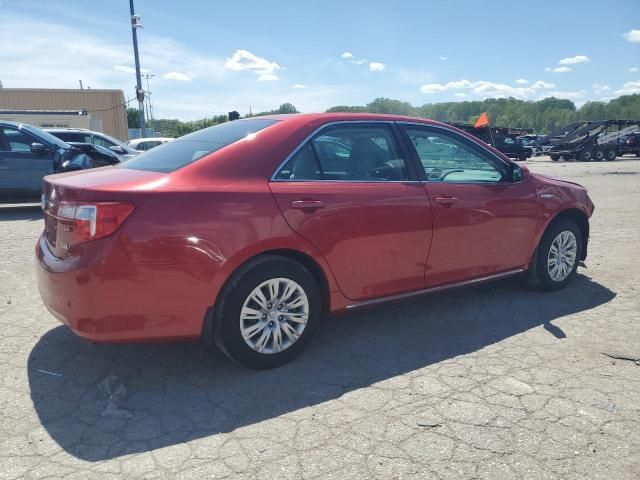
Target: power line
<point>112,108</point>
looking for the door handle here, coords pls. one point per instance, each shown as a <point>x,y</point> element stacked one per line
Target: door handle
<point>307,204</point>
<point>445,200</point>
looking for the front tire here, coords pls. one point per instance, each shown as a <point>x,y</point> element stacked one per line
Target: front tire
<point>268,312</point>
<point>558,255</point>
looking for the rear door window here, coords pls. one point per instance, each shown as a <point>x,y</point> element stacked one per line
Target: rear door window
<point>171,156</point>
<point>349,152</point>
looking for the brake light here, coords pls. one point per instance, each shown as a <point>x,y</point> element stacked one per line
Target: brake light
<point>83,222</point>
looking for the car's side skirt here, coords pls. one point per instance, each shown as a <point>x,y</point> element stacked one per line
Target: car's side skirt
<point>400,296</point>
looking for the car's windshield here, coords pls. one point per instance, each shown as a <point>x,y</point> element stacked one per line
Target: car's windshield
<point>46,136</point>
<point>184,150</point>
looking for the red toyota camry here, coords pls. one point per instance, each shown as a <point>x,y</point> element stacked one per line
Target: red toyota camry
<point>245,234</point>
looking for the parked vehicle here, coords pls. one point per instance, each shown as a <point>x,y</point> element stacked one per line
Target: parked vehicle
<point>28,153</point>
<point>144,144</point>
<point>80,135</point>
<point>535,143</point>
<point>505,140</point>
<point>513,147</point>
<point>592,140</point>
<point>630,145</point>
<point>246,233</point>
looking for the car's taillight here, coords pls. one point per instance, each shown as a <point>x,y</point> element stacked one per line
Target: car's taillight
<point>89,221</point>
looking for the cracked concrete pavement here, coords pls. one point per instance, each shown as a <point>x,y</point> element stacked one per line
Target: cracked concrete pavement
<point>494,382</point>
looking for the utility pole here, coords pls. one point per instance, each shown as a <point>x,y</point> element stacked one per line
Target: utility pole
<point>135,24</point>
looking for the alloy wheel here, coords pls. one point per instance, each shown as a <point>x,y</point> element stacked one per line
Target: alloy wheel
<point>562,256</point>
<point>274,315</point>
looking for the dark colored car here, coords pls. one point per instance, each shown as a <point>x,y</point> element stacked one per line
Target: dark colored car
<point>513,147</point>
<point>245,234</point>
<point>630,145</point>
<point>80,135</point>
<point>28,153</point>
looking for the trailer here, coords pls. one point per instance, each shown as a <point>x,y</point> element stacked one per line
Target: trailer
<point>505,139</point>
<point>592,140</point>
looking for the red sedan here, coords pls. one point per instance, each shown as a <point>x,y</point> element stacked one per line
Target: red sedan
<point>245,234</point>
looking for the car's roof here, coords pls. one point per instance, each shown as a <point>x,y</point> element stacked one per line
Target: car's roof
<point>10,123</point>
<point>147,139</point>
<point>70,129</point>
<point>344,116</point>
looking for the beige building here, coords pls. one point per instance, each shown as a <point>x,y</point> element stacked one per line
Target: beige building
<point>99,110</point>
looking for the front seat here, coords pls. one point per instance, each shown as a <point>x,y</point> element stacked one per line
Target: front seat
<point>305,166</point>
<point>365,157</point>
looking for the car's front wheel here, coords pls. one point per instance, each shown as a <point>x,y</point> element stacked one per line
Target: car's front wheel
<point>558,255</point>
<point>268,312</point>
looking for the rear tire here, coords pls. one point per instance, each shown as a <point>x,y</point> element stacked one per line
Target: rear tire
<point>266,331</point>
<point>557,256</point>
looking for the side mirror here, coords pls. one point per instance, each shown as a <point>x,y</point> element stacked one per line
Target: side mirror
<point>517,173</point>
<point>38,148</point>
<point>116,148</point>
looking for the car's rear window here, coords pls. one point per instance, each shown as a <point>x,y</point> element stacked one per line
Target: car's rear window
<point>184,150</point>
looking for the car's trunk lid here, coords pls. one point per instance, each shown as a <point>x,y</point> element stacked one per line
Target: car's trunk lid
<point>97,185</point>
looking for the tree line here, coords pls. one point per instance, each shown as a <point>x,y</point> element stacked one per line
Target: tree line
<point>541,116</point>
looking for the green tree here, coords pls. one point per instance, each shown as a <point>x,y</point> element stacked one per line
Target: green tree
<point>133,120</point>
<point>287,108</point>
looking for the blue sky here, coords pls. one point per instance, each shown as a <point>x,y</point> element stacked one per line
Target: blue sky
<point>210,57</point>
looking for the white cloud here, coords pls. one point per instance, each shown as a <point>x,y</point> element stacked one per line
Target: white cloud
<point>633,69</point>
<point>481,88</point>
<point>267,77</point>
<point>460,95</point>
<point>299,85</point>
<point>124,69</point>
<point>359,62</point>
<point>442,57</point>
<point>629,88</point>
<point>178,76</point>
<point>429,88</point>
<point>522,81</point>
<point>574,60</point>
<point>243,60</point>
<point>632,36</point>
<point>376,67</point>
<point>560,69</point>
<point>570,94</point>
<point>600,88</point>
<point>540,84</point>
<point>347,55</point>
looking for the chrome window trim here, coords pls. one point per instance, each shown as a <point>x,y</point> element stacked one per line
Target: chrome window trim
<point>317,130</point>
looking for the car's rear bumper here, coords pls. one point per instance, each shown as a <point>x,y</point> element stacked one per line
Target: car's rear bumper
<point>104,297</point>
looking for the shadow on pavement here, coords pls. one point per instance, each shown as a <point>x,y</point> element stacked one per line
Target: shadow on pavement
<point>14,212</point>
<point>181,392</point>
